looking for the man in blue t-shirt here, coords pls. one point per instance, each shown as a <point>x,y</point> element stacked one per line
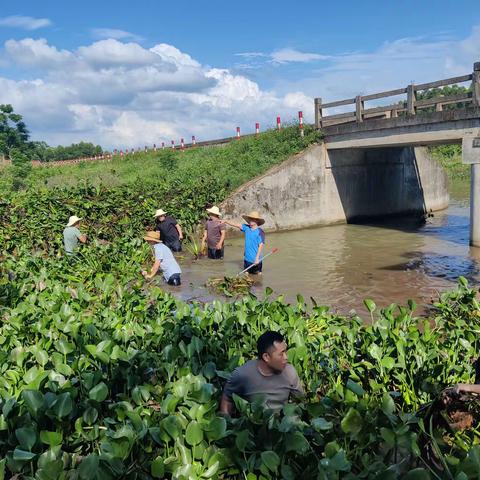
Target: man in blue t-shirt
<point>254,240</point>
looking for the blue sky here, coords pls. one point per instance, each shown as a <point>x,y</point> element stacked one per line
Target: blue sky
<point>133,73</point>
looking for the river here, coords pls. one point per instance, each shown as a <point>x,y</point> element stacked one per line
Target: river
<point>340,265</point>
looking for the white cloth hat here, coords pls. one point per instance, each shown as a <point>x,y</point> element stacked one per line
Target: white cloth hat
<point>73,220</point>
<point>214,211</point>
<point>159,213</point>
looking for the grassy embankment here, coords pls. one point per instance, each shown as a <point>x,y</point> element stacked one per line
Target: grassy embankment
<point>233,164</point>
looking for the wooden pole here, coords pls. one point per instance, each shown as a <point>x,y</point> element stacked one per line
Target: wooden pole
<point>476,85</point>
<point>411,99</point>
<point>359,108</point>
<point>318,113</point>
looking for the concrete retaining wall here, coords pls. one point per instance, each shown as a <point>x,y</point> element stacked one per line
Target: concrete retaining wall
<point>318,187</point>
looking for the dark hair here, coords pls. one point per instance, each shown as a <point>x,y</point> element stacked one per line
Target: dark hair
<point>266,341</point>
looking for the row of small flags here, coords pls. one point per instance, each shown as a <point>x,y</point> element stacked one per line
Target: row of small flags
<point>194,141</point>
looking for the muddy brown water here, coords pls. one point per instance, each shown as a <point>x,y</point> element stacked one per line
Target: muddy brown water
<point>340,265</point>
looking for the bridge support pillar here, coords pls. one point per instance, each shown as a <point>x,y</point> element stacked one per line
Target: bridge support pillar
<point>471,155</point>
<point>475,205</point>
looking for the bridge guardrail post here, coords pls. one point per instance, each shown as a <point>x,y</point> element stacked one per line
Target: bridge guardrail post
<point>411,99</point>
<point>359,107</point>
<point>476,84</point>
<point>318,113</point>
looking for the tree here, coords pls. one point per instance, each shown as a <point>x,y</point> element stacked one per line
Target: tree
<point>22,166</point>
<point>13,131</point>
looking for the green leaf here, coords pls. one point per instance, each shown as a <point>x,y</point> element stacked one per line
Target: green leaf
<point>172,426</point>
<point>22,455</point>
<point>241,440</point>
<point>417,474</point>
<point>271,460</point>
<point>63,405</point>
<point>355,388</point>
<point>352,422</point>
<point>388,405</point>
<point>320,424</point>
<point>26,437</point>
<point>388,362</point>
<point>51,438</point>
<point>216,428</point>
<point>34,400</point>
<point>41,356</point>
<point>90,415</point>
<point>375,351</point>
<point>89,467</point>
<point>157,468</point>
<point>99,392</point>
<point>370,304</point>
<point>194,433</point>
<point>296,442</point>
<point>64,347</point>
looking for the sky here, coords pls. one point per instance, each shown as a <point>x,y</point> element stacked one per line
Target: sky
<point>128,74</point>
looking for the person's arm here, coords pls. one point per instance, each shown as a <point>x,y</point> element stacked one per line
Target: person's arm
<point>222,239</point>
<point>226,405</point>
<point>467,388</point>
<point>179,230</point>
<point>235,384</point>
<point>82,238</point>
<point>259,252</point>
<point>153,271</point>
<point>233,224</point>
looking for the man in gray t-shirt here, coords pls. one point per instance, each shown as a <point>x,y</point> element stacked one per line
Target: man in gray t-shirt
<point>270,377</point>
<point>72,235</point>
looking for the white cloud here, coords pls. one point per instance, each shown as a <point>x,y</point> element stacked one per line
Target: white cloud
<point>105,53</point>
<point>36,53</point>
<point>116,34</point>
<point>286,55</point>
<point>120,94</point>
<point>25,23</point>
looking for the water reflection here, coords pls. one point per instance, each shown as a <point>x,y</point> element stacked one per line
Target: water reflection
<point>340,265</point>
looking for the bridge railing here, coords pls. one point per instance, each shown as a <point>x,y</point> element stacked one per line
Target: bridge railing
<point>408,107</point>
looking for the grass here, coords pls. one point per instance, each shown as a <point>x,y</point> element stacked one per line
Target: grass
<point>236,163</point>
<point>450,157</point>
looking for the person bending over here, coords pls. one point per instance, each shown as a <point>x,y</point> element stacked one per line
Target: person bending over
<point>72,235</point>
<point>269,377</point>
<point>164,260</point>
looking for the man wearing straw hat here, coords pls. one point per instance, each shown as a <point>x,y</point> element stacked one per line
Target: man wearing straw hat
<point>254,241</point>
<point>214,235</point>
<point>164,260</point>
<point>72,235</point>
<point>170,230</point>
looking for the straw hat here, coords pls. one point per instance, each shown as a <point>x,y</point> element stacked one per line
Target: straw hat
<point>73,220</point>
<point>152,237</point>
<point>159,213</point>
<point>255,216</point>
<point>214,211</point>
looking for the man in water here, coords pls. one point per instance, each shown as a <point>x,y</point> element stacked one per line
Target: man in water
<point>269,377</point>
<point>214,235</point>
<point>72,235</point>
<point>164,260</point>
<point>254,241</point>
<point>170,231</point>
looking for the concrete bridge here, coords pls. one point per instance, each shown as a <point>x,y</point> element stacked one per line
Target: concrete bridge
<point>373,161</point>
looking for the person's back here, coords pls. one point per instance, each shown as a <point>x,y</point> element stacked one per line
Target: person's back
<point>71,236</point>
<point>169,265</point>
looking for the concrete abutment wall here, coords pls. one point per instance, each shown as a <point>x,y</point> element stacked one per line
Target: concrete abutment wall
<point>321,187</point>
